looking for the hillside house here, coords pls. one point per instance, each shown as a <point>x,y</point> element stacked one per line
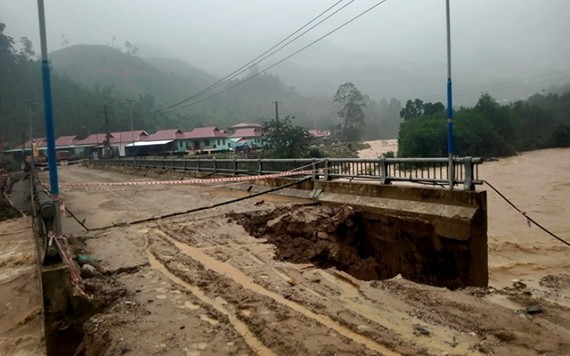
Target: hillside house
<point>206,140</point>
<point>246,134</point>
<point>161,142</point>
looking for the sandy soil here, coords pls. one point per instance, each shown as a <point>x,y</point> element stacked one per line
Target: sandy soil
<point>202,284</point>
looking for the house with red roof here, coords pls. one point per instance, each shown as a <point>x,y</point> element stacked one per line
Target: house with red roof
<point>206,139</point>
<point>170,141</point>
<point>319,136</point>
<point>250,137</point>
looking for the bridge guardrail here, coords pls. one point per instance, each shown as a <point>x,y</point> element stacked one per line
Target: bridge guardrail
<point>436,171</point>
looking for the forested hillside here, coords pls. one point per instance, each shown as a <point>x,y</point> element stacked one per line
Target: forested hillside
<point>86,78</point>
<point>488,129</point>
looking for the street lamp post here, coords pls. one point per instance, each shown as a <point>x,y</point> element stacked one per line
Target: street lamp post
<point>50,132</point>
<point>451,168</point>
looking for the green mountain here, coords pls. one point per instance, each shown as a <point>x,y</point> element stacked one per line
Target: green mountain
<point>87,78</point>
<point>127,75</point>
<point>192,75</point>
<point>166,81</point>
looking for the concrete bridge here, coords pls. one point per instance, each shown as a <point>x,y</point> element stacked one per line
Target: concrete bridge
<point>441,231</point>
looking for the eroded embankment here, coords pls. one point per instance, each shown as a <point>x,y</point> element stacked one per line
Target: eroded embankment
<point>348,239</point>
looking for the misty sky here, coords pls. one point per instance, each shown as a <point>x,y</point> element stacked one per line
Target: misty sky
<point>524,39</point>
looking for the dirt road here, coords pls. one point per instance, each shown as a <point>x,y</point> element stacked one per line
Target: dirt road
<point>201,284</point>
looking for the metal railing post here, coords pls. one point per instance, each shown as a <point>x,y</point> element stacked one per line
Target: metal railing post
<point>468,174</point>
<point>327,166</point>
<point>260,166</point>
<point>451,173</point>
<point>314,169</point>
<point>383,170</point>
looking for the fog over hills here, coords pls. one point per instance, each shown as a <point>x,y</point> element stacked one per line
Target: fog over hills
<point>509,48</point>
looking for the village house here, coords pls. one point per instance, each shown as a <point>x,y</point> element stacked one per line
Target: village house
<point>245,135</point>
<point>206,140</point>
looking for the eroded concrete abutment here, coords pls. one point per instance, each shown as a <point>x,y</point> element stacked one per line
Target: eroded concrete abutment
<point>428,235</point>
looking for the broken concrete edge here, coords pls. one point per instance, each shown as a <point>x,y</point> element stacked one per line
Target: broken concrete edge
<point>64,312</point>
<point>454,221</point>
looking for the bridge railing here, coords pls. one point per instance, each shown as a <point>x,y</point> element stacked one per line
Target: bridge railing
<point>435,171</point>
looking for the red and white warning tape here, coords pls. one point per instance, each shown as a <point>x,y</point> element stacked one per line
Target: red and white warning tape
<point>192,181</point>
<point>65,253</point>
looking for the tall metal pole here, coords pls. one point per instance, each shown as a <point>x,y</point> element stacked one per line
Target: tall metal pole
<point>31,138</point>
<point>130,101</point>
<point>451,168</point>
<point>50,135</point>
<point>276,110</point>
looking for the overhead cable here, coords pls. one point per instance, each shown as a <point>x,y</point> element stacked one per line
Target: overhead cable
<point>529,219</point>
<point>289,56</point>
<point>265,55</point>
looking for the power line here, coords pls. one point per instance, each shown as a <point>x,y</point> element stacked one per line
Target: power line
<point>289,56</point>
<point>529,219</point>
<point>248,64</point>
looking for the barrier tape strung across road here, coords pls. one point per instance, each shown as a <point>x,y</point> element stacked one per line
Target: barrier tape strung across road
<point>192,181</point>
<point>65,253</point>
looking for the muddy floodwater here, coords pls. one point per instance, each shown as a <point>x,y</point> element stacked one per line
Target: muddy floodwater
<point>21,331</point>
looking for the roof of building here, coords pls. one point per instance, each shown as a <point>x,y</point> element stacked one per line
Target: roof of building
<point>93,139</point>
<point>205,132</point>
<point>161,135</point>
<point>127,136</point>
<point>148,143</point>
<point>319,133</point>
<point>40,141</point>
<point>66,140</point>
<point>247,132</point>
<point>244,125</point>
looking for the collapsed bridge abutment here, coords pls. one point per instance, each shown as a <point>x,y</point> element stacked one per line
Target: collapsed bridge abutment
<point>428,235</point>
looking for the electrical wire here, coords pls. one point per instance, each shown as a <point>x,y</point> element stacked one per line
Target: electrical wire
<point>265,55</point>
<point>526,215</point>
<point>207,207</point>
<point>289,56</point>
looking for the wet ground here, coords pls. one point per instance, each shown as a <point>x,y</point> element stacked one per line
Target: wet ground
<point>210,283</point>
<point>202,284</point>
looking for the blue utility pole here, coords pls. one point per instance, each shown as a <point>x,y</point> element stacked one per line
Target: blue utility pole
<point>451,168</point>
<point>50,135</point>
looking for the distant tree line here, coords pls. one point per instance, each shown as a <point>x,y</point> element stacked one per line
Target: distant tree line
<point>488,129</point>
<point>82,86</point>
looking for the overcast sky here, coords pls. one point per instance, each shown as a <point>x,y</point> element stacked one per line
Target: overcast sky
<point>221,35</point>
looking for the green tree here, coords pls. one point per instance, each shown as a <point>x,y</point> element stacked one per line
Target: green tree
<point>352,111</point>
<point>412,109</point>
<point>418,108</point>
<point>285,140</point>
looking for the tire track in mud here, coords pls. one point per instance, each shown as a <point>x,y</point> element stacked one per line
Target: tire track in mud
<point>356,301</point>
<point>363,307</point>
<point>393,319</point>
<point>247,282</point>
<point>240,327</point>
